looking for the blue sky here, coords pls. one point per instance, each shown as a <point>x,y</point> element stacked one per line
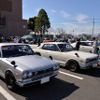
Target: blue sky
<point>69,15</point>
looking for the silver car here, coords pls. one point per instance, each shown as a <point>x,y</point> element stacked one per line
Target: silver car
<point>20,66</point>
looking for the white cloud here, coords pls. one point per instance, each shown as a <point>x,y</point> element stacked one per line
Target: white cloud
<point>53,11</point>
<point>81,17</point>
<point>79,28</point>
<point>37,10</point>
<point>64,14</point>
<point>70,25</point>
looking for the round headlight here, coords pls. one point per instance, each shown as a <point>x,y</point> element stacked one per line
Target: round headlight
<point>35,73</point>
<point>56,67</point>
<point>24,75</point>
<point>30,74</point>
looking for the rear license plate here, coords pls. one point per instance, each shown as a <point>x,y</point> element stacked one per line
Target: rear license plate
<point>44,80</point>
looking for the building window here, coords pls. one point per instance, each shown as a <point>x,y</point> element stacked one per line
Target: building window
<point>3,21</point>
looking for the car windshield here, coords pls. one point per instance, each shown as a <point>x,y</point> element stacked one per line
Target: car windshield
<point>16,50</point>
<point>65,47</point>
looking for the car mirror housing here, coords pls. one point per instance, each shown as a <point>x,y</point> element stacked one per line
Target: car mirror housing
<point>77,54</point>
<point>13,63</point>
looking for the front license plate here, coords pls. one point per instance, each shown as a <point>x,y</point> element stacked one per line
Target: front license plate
<point>44,80</point>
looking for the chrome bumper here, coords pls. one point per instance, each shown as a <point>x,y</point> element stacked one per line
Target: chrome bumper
<point>33,81</point>
<point>89,65</point>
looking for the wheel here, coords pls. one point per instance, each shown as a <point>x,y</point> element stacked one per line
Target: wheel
<point>10,81</point>
<point>73,66</point>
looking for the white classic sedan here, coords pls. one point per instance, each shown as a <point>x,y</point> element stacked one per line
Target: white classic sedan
<point>65,55</point>
<point>86,46</point>
<point>20,66</point>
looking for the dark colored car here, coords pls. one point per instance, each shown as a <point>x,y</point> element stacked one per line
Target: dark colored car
<point>28,39</point>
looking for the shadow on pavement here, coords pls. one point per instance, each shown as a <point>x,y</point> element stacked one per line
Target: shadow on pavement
<point>95,72</point>
<point>54,90</point>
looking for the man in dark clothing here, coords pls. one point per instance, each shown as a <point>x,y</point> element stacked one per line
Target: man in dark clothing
<point>78,44</point>
<point>39,41</point>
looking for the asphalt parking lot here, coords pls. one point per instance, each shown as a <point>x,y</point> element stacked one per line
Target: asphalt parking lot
<point>83,85</point>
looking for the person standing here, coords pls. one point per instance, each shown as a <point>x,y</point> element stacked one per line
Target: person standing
<point>16,39</point>
<point>95,45</point>
<point>39,41</point>
<point>78,44</point>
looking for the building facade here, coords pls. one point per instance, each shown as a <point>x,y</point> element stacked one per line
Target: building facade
<point>11,22</point>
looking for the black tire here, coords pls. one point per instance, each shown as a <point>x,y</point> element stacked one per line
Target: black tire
<point>10,81</point>
<point>73,66</point>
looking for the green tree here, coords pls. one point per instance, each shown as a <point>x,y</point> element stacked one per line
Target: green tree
<point>42,22</point>
<point>31,23</point>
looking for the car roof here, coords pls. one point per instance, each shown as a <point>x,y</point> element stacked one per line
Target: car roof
<point>86,41</point>
<point>5,44</point>
<point>55,43</point>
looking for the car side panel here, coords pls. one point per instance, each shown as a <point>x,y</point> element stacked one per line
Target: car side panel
<point>85,48</point>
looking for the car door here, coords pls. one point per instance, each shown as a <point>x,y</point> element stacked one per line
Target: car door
<point>1,65</point>
<point>49,50</point>
<point>55,53</point>
<point>44,51</point>
<point>85,47</point>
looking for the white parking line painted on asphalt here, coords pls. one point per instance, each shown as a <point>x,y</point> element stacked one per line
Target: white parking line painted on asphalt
<point>74,76</point>
<point>6,94</point>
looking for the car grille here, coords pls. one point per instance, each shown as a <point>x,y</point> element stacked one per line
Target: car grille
<point>92,60</point>
<point>43,73</point>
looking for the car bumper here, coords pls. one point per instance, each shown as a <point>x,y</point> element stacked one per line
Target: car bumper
<point>39,80</point>
<point>89,65</point>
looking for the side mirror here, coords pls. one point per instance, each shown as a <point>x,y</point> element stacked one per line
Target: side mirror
<point>13,63</point>
<point>76,54</point>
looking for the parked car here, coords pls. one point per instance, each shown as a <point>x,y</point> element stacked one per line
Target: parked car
<point>65,55</point>
<point>20,66</point>
<point>48,41</point>
<point>28,39</point>
<point>85,46</point>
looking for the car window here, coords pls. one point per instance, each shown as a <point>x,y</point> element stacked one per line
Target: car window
<point>84,44</point>
<point>51,47</point>
<point>65,47</point>
<point>90,43</point>
<point>16,50</point>
<point>45,47</point>
<point>69,47</point>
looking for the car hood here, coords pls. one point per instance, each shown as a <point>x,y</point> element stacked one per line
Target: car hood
<point>82,54</point>
<point>32,62</point>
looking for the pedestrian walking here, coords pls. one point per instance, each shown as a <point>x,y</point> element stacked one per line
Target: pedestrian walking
<point>95,45</point>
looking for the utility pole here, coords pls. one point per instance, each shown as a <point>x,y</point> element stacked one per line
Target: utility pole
<point>93,27</point>
<point>73,33</point>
